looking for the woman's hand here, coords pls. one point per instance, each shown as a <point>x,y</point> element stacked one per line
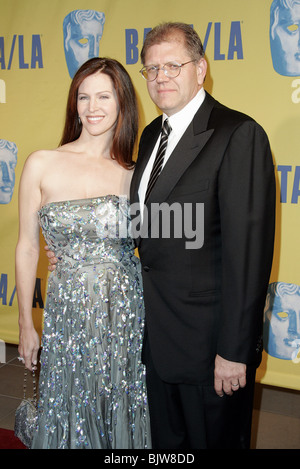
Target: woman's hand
<point>29,345</point>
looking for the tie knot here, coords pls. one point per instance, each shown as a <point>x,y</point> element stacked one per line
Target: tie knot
<point>166,129</point>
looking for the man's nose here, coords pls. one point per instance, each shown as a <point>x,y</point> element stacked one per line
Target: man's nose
<point>161,76</point>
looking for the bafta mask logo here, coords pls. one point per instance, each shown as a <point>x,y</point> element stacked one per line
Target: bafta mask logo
<point>83,31</point>
<point>285,37</point>
<point>282,321</point>
<point>8,163</point>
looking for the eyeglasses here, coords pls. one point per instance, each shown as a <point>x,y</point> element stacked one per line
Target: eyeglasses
<point>171,70</point>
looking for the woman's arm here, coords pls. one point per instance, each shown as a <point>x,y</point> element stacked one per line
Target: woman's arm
<point>27,254</point>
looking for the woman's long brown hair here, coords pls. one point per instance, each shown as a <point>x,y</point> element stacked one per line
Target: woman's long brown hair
<point>127,123</point>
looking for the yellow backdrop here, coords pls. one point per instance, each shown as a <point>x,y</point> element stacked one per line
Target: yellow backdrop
<point>243,73</point>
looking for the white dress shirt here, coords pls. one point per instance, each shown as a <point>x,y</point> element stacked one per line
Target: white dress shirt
<point>179,123</point>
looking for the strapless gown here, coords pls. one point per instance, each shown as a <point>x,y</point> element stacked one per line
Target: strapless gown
<point>92,391</point>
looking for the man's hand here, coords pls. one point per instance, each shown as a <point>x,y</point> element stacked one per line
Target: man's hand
<point>52,259</point>
<point>229,376</point>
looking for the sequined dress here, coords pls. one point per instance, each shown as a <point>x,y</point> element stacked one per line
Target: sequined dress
<point>92,391</point>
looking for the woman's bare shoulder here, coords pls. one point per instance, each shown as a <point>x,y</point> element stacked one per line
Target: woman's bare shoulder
<point>42,157</point>
<point>38,155</point>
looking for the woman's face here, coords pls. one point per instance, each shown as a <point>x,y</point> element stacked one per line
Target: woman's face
<point>97,105</point>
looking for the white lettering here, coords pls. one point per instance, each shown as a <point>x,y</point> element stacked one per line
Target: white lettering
<point>296,93</point>
<point>2,92</point>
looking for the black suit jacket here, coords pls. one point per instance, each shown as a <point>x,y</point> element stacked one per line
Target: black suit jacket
<point>207,301</point>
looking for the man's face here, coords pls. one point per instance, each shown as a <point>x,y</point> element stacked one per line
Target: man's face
<point>172,94</point>
<point>285,40</point>
<point>8,162</point>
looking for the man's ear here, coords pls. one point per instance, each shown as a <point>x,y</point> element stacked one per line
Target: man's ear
<point>201,71</point>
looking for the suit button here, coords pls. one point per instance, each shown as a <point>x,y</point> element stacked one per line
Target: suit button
<point>146,268</point>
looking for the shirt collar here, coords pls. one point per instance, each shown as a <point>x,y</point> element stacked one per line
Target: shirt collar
<point>183,118</point>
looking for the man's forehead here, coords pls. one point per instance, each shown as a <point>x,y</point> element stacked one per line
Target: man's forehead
<point>175,42</point>
<point>173,37</point>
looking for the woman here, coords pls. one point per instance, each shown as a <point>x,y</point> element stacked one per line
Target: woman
<point>92,387</point>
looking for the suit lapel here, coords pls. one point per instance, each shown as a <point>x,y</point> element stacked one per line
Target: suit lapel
<point>182,157</point>
<point>188,148</point>
<point>147,143</point>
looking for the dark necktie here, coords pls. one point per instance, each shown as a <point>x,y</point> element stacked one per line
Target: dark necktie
<point>157,165</point>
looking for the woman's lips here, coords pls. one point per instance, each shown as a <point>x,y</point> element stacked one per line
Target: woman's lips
<point>94,119</point>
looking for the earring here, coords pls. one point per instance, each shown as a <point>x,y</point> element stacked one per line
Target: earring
<point>79,121</point>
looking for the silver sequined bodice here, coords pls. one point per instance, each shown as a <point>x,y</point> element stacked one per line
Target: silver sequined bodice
<point>87,231</point>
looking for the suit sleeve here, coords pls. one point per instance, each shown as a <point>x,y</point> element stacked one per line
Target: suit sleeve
<point>246,186</point>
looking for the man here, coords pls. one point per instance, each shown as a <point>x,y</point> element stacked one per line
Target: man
<point>204,307</point>
<point>204,301</point>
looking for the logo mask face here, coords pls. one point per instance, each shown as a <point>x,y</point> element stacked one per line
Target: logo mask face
<point>282,320</point>
<point>285,37</point>
<point>83,31</point>
<point>8,163</point>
